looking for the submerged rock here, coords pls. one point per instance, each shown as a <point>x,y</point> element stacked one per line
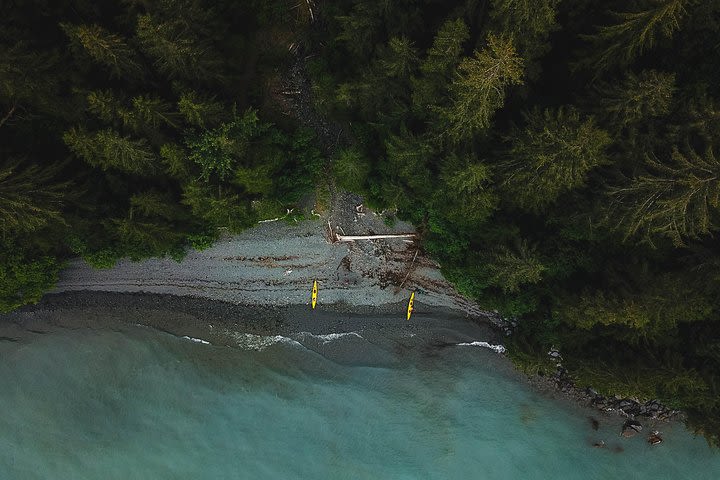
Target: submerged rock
<point>655,438</point>
<point>630,428</point>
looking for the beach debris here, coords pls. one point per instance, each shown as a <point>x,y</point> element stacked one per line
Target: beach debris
<point>287,272</point>
<point>655,438</point>
<point>630,428</point>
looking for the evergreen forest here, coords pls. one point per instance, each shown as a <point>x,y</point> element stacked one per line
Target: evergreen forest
<point>560,158</point>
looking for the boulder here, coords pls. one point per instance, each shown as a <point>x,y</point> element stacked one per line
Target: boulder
<point>630,428</point>
<point>655,438</point>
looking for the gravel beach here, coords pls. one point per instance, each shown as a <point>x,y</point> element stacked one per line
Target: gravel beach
<point>275,264</point>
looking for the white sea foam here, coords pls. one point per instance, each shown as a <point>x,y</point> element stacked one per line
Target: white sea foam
<point>196,340</point>
<point>331,336</point>
<point>249,341</point>
<point>496,348</point>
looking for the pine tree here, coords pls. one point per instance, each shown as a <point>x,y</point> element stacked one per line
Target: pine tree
<point>106,48</point>
<point>639,97</point>
<point>30,198</point>
<point>108,149</point>
<point>479,89</point>
<point>678,197</point>
<point>551,155</point>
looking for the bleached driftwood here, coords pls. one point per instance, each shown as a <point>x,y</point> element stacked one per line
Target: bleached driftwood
<point>353,238</point>
<point>289,211</point>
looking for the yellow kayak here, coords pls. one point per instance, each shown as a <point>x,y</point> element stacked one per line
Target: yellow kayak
<point>314,293</point>
<point>410,305</point>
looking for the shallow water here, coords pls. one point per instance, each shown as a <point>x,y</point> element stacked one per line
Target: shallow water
<point>138,404</point>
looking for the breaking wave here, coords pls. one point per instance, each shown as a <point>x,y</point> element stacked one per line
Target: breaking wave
<point>496,348</point>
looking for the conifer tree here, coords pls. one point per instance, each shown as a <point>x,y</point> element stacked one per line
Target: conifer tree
<point>152,203</point>
<point>479,89</point>
<point>108,149</point>
<point>200,112</point>
<point>106,48</point>
<point>217,207</point>
<point>637,32</point>
<point>28,83</point>
<point>440,61</point>
<point>552,154</point>
<point>105,106</point>
<point>529,23</point>
<point>30,198</point>
<point>639,97</point>
<point>678,197</point>
<point>407,159</point>
<point>351,169</point>
<point>358,29</point>
<point>401,58</point>
<point>510,268</point>
<point>447,48</point>
<point>152,112</point>
<point>468,199</point>
<point>178,51</point>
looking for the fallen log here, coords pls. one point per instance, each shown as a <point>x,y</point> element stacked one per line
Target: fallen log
<point>353,238</point>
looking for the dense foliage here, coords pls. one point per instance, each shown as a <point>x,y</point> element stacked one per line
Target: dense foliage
<point>559,157</point>
<point>135,129</point>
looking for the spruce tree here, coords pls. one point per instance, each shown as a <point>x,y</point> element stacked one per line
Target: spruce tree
<point>178,52</point>
<point>638,97</point>
<point>30,198</point>
<point>479,88</point>
<point>677,198</point>
<point>551,155</point>
<point>108,149</point>
<point>637,32</point>
<point>106,48</point>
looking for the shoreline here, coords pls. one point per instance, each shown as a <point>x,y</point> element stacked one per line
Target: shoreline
<point>258,283</point>
<point>235,325</point>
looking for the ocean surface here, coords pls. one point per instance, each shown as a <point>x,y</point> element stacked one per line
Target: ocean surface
<point>135,403</point>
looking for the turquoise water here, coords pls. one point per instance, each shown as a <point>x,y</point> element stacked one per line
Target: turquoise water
<point>138,404</point>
